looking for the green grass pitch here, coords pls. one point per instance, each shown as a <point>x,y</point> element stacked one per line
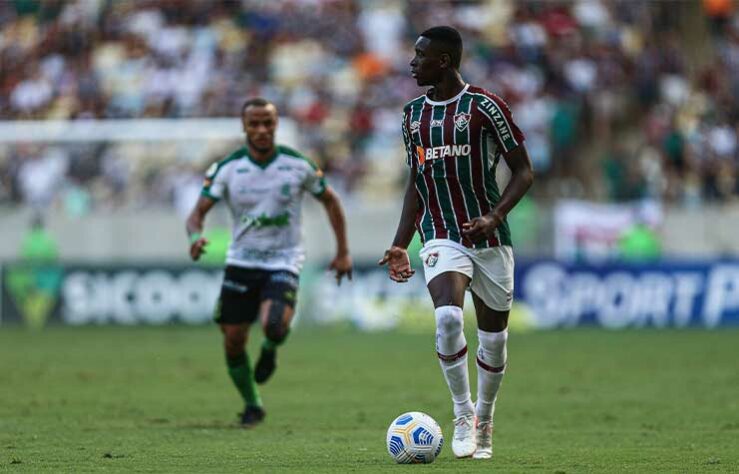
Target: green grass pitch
<point>115,399</point>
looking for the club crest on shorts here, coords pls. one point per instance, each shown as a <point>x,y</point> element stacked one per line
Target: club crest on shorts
<point>432,259</point>
<point>461,121</point>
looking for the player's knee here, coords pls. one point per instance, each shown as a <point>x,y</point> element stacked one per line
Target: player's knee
<point>234,339</point>
<point>275,328</point>
<point>493,349</point>
<point>275,333</point>
<point>449,320</point>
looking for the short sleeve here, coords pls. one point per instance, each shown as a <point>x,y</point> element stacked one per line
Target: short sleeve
<point>498,119</point>
<point>214,185</point>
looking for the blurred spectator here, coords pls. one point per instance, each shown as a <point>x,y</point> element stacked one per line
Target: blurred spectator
<point>650,88</point>
<point>639,243</point>
<point>40,173</point>
<point>38,246</point>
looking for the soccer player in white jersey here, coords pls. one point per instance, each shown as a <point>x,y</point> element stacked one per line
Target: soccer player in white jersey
<point>263,185</point>
<point>455,134</point>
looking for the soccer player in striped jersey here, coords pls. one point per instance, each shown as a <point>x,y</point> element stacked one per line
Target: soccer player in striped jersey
<point>263,185</point>
<point>455,135</point>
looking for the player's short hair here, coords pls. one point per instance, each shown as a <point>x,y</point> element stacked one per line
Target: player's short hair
<point>449,40</point>
<point>254,102</point>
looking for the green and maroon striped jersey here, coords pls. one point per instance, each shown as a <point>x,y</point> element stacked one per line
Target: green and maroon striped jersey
<point>455,147</point>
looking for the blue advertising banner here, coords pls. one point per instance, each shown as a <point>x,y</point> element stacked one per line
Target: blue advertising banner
<point>548,294</point>
<point>663,294</point>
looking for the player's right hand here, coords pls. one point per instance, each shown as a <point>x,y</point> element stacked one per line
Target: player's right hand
<point>197,248</point>
<point>398,264</point>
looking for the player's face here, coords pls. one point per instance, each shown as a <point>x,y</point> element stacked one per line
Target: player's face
<point>260,123</point>
<point>426,64</point>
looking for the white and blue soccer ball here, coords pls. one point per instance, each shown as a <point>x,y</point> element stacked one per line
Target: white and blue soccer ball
<point>414,438</point>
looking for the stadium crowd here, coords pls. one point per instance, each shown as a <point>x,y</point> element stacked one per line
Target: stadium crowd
<point>618,100</point>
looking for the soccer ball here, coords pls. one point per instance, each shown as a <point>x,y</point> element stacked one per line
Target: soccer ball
<point>414,437</point>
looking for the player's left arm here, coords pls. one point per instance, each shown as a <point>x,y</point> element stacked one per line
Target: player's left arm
<point>342,262</point>
<point>522,177</point>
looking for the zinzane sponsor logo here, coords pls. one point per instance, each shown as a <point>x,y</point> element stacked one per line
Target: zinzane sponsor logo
<point>438,152</point>
<point>498,119</point>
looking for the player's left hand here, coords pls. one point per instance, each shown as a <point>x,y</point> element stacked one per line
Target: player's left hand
<point>342,265</point>
<point>481,228</point>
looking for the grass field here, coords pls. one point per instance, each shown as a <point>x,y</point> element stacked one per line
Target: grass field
<point>158,400</point>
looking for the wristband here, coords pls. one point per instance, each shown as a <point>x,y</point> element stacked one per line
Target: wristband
<point>194,237</point>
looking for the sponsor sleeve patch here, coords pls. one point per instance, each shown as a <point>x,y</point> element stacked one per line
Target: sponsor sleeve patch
<point>211,171</point>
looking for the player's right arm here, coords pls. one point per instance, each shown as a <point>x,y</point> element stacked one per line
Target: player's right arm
<point>194,226</point>
<point>396,257</point>
<point>214,188</point>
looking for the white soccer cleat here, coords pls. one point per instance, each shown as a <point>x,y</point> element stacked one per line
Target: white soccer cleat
<point>484,440</point>
<point>463,442</point>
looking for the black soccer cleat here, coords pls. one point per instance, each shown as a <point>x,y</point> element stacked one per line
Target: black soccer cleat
<point>252,416</point>
<point>265,365</point>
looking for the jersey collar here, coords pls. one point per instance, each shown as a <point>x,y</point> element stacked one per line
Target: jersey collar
<point>262,164</point>
<point>448,101</point>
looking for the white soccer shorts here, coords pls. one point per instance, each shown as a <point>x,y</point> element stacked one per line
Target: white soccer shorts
<point>490,269</point>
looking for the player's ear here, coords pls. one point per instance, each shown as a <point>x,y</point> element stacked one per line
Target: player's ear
<point>445,60</point>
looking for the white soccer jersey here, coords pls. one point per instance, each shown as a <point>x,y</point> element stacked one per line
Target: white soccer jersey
<point>265,202</point>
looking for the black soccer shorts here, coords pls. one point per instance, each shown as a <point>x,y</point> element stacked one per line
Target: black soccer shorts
<point>244,289</point>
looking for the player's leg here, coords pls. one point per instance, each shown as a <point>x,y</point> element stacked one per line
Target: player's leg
<point>447,291</point>
<point>448,272</point>
<point>276,312</point>
<point>492,355</point>
<point>491,293</point>
<point>237,310</point>
<point>276,317</point>
<point>240,371</point>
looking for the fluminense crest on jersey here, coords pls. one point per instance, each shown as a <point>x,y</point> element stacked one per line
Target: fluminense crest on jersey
<point>461,121</point>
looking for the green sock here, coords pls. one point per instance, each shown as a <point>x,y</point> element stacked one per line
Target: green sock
<point>242,376</point>
<point>270,345</point>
